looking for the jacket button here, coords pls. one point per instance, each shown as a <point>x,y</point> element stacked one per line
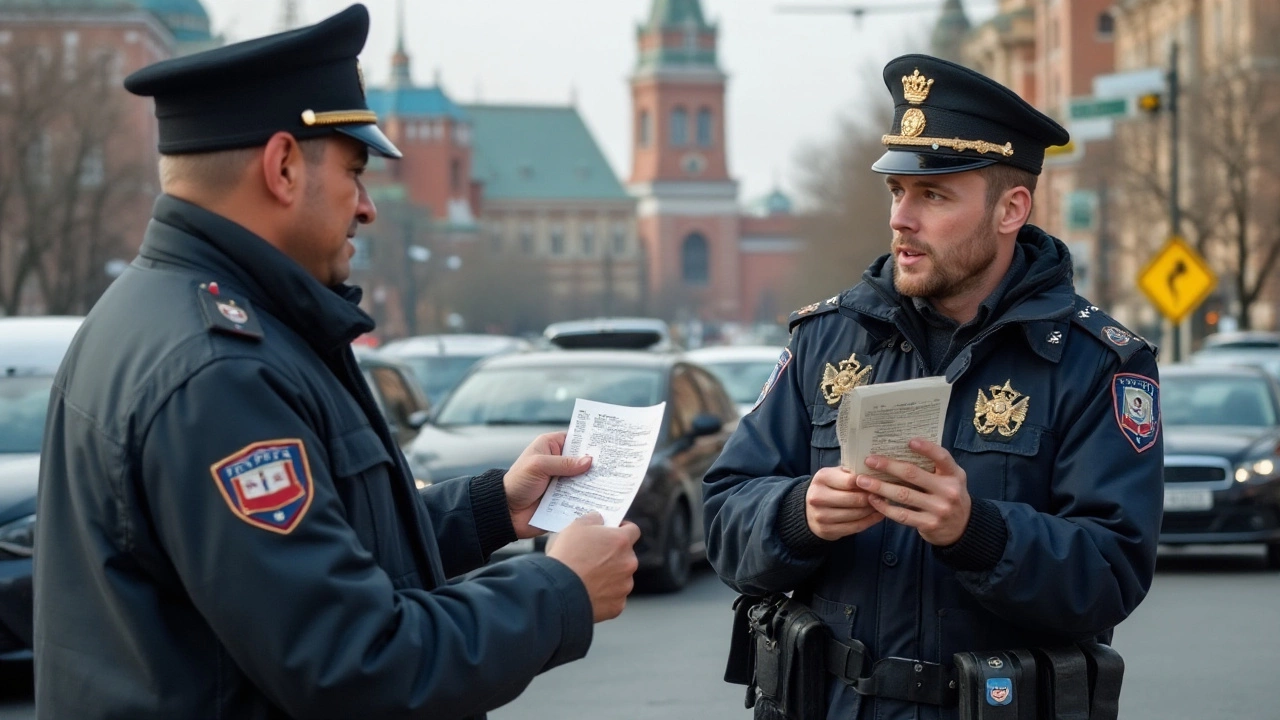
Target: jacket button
<point>890,559</point>
<point>906,346</point>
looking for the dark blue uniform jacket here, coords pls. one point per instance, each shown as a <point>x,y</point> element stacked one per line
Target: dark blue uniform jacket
<point>1061,544</point>
<point>228,530</point>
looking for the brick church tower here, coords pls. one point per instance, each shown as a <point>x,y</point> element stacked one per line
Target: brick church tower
<point>688,211</point>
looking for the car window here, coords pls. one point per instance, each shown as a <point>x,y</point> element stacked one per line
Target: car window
<point>438,374</point>
<point>24,401</point>
<point>398,400</point>
<point>742,379</point>
<point>686,400</point>
<point>544,395</point>
<point>1207,400</point>
<point>715,400</point>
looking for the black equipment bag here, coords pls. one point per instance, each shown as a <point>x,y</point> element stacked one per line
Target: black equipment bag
<point>1071,682</point>
<point>778,650</point>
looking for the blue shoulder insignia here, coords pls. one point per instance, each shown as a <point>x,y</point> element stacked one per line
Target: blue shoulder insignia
<point>813,310</point>
<point>1106,330</point>
<point>226,313</point>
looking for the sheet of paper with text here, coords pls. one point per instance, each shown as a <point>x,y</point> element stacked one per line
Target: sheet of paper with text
<point>620,441</point>
<point>881,419</point>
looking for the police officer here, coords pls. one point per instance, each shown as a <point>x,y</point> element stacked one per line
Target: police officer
<point>227,527</point>
<point>1038,524</point>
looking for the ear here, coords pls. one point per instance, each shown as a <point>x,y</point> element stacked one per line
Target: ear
<point>283,168</point>
<point>1013,210</point>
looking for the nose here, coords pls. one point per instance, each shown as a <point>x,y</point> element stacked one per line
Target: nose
<point>366,212</point>
<point>902,216</point>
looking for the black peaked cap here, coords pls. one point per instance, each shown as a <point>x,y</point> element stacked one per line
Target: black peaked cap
<point>306,82</point>
<point>948,118</point>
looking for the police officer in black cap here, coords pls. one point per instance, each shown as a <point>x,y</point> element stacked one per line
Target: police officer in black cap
<point>227,527</point>
<point>1037,524</point>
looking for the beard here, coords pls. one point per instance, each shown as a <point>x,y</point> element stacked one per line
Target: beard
<point>950,272</point>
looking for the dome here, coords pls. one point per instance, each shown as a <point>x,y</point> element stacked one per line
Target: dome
<point>186,19</point>
<point>777,203</point>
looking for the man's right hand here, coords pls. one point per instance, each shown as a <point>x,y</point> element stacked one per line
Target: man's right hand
<point>603,557</point>
<point>836,507</point>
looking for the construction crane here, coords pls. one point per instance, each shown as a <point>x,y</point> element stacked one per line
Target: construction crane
<point>857,12</point>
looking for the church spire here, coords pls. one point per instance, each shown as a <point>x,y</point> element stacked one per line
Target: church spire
<point>676,34</point>
<point>400,58</point>
<point>949,34</point>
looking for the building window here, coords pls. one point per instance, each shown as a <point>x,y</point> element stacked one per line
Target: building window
<point>70,53</point>
<point>1107,26</point>
<point>679,127</point>
<point>588,239</point>
<point>619,238</point>
<point>557,239</point>
<point>411,131</point>
<point>704,127</point>
<point>645,129</point>
<point>695,259</point>
<point>455,175</point>
<point>526,238</point>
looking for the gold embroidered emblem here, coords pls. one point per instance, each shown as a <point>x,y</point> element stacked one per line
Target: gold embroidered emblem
<point>838,381</point>
<point>912,122</point>
<point>915,87</point>
<point>808,309</point>
<point>1005,411</point>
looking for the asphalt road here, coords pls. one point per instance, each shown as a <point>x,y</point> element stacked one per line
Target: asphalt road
<point>1204,645</point>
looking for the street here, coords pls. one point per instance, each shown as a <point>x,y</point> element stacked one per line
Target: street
<point>1205,644</point>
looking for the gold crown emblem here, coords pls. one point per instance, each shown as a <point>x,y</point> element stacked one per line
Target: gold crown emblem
<point>916,87</point>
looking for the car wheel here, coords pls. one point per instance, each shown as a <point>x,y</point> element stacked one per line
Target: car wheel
<point>1273,556</point>
<point>673,574</point>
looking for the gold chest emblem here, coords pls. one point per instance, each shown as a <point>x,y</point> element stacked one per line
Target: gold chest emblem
<point>1005,411</point>
<point>838,381</point>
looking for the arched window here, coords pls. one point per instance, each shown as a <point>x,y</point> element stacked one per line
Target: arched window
<point>695,260</point>
<point>679,127</point>
<point>1107,25</point>
<point>704,127</point>
<point>645,130</point>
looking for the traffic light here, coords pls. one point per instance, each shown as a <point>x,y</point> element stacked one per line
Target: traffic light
<point>1149,102</point>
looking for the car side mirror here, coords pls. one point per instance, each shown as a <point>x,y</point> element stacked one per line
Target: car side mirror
<point>706,424</point>
<point>419,418</point>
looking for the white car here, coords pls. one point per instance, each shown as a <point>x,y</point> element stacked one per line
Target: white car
<point>742,369</point>
<point>441,361</point>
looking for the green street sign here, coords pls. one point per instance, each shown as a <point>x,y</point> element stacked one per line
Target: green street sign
<point>1085,108</point>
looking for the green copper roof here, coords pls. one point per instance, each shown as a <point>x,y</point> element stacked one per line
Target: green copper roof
<point>186,19</point>
<point>689,48</point>
<point>676,14</point>
<point>538,153</point>
<point>416,102</point>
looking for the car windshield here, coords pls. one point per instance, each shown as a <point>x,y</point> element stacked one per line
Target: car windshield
<point>24,400</point>
<point>545,395</point>
<point>438,374</point>
<point>743,379</point>
<point>1208,400</point>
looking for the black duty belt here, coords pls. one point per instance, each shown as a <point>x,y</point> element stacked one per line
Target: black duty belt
<point>894,678</point>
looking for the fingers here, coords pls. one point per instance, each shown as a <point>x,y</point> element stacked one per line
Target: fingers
<point>547,444</point>
<point>836,478</point>
<point>591,518</point>
<point>557,465</point>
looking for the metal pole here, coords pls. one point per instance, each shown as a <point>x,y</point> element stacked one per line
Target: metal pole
<point>1175,209</point>
<point>410,283</point>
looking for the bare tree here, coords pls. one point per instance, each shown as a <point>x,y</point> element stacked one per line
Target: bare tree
<point>68,188</point>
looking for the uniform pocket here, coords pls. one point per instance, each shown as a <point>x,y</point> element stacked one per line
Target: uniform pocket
<point>1005,468</point>
<point>823,440</point>
<point>355,451</point>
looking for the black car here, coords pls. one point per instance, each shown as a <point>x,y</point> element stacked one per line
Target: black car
<point>506,401</point>
<point>1222,456</point>
<point>401,398</point>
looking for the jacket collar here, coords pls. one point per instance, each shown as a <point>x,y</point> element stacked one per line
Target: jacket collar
<point>185,234</point>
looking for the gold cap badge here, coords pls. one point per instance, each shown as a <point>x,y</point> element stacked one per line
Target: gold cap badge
<point>912,122</point>
<point>915,87</point>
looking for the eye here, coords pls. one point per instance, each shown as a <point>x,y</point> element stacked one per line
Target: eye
<point>931,195</point>
<point>895,191</point>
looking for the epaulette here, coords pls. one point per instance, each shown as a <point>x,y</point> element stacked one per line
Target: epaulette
<point>813,310</point>
<point>228,313</point>
<point>1106,330</point>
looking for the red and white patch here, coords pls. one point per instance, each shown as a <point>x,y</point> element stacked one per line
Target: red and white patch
<point>1136,399</point>
<point>267,484</point>
<point>233,313</point>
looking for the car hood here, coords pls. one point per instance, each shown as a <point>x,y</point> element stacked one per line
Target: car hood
<point>1232,443</point>
<point>448,452</point>
<point>19,475</point>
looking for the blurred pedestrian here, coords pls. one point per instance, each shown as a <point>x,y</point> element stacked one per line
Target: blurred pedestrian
<point>227,527</point>
<point>1038,525</point>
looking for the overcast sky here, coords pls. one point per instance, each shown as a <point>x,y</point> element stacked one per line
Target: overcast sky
<point>791,76</point>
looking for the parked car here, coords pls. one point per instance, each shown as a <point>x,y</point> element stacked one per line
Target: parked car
<point>614,333</point>
<point>30,351</point>
<point>1221,456</point>
<point>397,392</point>
<point>506,401</point>
<point>440,361</point>
<point>1242,340</point>
<point>743,369</point>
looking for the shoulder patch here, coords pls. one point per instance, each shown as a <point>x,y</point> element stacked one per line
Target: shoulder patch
<point>1106,330</point>
<point>812,310</point>
<point>1137,403</point>
<point>267,484</point>
<point>228,314</point>
<point>783,361</point>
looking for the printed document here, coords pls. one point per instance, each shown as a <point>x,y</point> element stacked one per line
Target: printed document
<point>620,441</point>
<point>881,419</point>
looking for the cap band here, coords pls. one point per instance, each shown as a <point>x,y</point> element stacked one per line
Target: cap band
<point>981,146</point>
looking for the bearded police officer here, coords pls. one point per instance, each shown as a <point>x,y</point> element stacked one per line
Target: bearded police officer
<point>1038,526</point>
<point>227,527</point>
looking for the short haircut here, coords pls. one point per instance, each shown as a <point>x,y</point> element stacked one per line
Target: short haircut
<point>219,171</point>
<point>1001,177</point>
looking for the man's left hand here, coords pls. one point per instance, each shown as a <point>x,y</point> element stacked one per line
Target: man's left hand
<point>527,479</point>
<point>936,504</point>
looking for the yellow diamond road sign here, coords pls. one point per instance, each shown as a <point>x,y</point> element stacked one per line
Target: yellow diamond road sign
<point>1177,280</point>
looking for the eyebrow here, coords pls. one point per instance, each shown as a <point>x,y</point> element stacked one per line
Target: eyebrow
<point>920,183</point>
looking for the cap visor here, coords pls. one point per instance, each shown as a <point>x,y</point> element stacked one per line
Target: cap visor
<point>901,162</point>
<point>370,135</point>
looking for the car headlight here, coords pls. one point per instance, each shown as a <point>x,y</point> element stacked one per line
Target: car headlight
<point>18,536</point>
<point>1255,470</point>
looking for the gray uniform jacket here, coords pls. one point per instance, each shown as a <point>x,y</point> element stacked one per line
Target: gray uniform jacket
<point>1066,479</point>
<point>228,530</point>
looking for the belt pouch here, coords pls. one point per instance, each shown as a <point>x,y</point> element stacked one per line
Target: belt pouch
<point>1064,683</point>
<point>1106,671</point>
<point>996,685</point>
<point>790,648</point>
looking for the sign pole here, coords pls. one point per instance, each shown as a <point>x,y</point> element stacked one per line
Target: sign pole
<point>1175,210</point>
